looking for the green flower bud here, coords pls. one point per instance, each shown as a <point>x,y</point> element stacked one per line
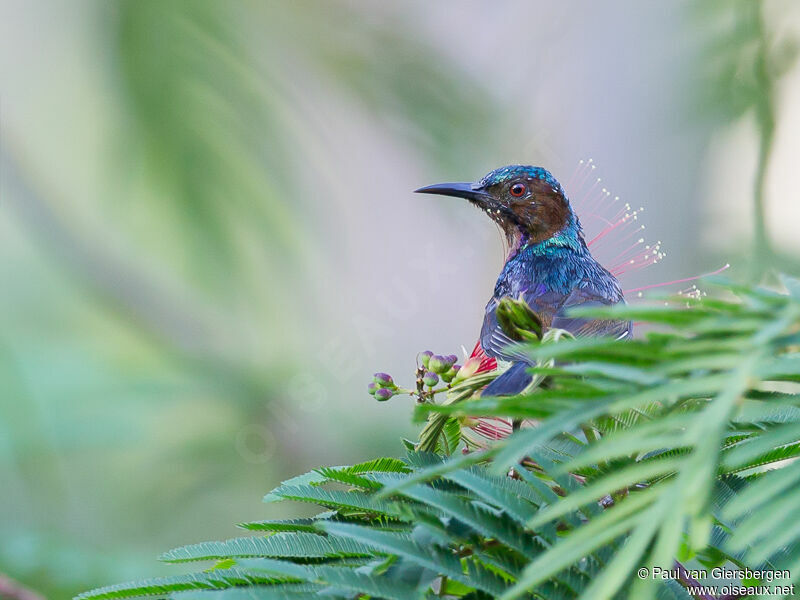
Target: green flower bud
<point>383,394</point>
<point>449,375</point>
<point>384,380</point>
<point>372,387</point>
<point>430,379</point>
<point>424,357</point>
<point>518,321</point>
<point>439,364</point>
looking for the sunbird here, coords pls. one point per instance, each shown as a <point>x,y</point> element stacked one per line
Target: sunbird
<point>548,265</point>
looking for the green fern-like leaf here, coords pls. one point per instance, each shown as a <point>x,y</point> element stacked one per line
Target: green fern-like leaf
<point>281,545</point>
<point>684,444</point>
<point>212,580</point>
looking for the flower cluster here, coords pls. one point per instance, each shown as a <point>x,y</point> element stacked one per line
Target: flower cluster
<point>433,370</point>
<point>436,366</point>
<point>382,387</point>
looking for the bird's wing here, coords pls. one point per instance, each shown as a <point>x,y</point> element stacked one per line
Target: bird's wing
<point>513,381</point>
<point>552,308</point>
<point>590,297</point>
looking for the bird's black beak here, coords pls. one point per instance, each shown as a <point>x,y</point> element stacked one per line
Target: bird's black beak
<point>459,190</point>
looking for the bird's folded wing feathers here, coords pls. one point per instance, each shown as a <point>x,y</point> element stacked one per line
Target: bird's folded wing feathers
<point>552,307</point>
<point>517,378</point>
<point>588,297</point>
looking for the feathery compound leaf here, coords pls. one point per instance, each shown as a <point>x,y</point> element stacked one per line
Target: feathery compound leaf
<point>347,478</point>
<point>435,469</point>
<point>642,451</point>
<point>310,478</point>
<point>481,520</point>
<point>583,542</point>
<point>212,580</point>
<point>753,450</point>
<point>352,501</point>
<point>433,558</point>
<point>363,474</point>
<point>362,583</point>
<point>379,465</point>
<point>276,568</point>
<point>338,576</point>
<point>278,526</point>
<point>286,591</point>
<point>280,545</point>
<point>509,495</point>
<point>392,543</point>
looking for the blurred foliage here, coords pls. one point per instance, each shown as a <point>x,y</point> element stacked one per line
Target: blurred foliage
<point>212,149</point>
<point>680,446</point>
<point>741,59</point>
<point>184,301</point>
<point>217,125</point>
<point>741,65</point>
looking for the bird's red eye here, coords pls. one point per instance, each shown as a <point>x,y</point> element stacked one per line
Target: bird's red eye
<point>518,189</point>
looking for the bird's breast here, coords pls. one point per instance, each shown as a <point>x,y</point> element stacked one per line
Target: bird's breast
<point>559,273</point>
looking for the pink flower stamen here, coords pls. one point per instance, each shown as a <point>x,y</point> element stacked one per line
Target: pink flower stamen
<point>677,281</point>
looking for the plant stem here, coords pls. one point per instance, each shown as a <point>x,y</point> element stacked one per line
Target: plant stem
<point>765,121</point>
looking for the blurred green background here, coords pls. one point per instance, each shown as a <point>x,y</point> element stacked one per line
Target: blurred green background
<point>209,240</point>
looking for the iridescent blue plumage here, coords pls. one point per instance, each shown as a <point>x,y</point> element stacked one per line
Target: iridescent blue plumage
<point>549,265</point>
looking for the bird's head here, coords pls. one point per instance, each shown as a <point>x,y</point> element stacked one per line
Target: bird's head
<point>527,202</point>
